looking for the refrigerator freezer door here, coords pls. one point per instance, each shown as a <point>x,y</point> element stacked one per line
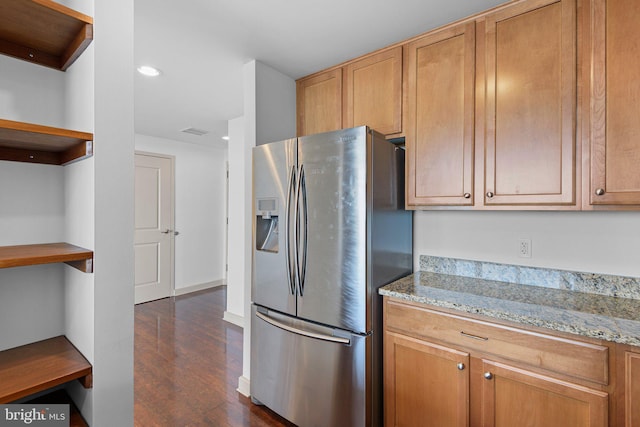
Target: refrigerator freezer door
<point>274,168</point>
<point>333,166</point>
<point>306,372</point>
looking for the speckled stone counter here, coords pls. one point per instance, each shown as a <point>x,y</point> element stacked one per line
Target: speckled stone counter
<point>593,315</point>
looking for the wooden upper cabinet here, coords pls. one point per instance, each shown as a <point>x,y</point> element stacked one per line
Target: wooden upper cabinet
<point>615,103</point>
<point>373,92</point>
<point>439,117</point>
<point>527,76</point>
<point>511,395</point>
<point>319,103</point>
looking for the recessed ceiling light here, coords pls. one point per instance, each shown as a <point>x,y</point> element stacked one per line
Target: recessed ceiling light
<point>226,138</point>
<point>147,70</point>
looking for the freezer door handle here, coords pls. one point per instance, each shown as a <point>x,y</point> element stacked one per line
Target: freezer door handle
<point>296,231</point>
<point>287,238</point>
<point>339,340</point>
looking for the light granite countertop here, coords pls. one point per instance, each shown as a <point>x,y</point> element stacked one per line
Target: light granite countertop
<point>610,318</point>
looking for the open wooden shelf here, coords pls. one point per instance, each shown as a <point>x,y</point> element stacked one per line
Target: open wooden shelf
<point>25,142</point>
<point>43,32</point>
<point>60,397</point>
<point>48,253</point>
<point>40,366</point>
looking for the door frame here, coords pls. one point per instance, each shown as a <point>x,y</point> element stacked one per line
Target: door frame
<point>172,246</point>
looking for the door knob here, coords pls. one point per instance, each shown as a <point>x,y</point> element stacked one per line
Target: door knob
<point>167,231</point>
<point>488,375</point>
<point>460,366</point>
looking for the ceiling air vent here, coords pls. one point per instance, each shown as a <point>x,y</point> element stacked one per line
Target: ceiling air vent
<point>195,131</point>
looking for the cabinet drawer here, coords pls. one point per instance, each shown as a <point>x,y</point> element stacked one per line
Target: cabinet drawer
<point>565,356</point>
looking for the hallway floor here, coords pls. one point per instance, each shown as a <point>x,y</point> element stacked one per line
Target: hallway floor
<point>187,364</point>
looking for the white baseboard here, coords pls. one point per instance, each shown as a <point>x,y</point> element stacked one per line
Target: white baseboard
<point>200,287</point>
<point>244,386</point>
<point>233,318</point>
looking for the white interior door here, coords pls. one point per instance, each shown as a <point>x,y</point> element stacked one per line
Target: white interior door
<point>154,223</point>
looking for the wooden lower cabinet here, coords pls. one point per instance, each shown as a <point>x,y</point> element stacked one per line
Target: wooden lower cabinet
<point>426,384</point>
<point>631,403</point>
<point>517,397</point>
<point>432,378</point>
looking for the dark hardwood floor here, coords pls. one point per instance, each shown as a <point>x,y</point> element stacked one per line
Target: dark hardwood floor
<point>187,364</point>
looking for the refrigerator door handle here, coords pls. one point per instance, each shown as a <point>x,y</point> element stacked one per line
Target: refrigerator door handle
<point>303,265</point>
<point>296,230</point>
<point>339,340</point>
<point>287,238</point>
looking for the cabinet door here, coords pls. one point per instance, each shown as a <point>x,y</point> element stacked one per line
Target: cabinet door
<point>440,118</point>
<point>373,92</point>
<point>425,384</point>
<point>615,103</point>
<point>529,64</point>
<point>319,103</point>
<point>515,397</point>
<point>632,389</point>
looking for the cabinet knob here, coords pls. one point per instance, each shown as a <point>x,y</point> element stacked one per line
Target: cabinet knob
<point>467,195</point>
<point>489,194</point>
<point>599,191</point>
<point>461,366</point>
<point>488,375</point>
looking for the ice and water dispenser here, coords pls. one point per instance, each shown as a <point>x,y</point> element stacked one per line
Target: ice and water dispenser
<point>267,225</point>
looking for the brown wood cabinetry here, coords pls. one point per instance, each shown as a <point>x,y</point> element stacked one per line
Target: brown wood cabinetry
<point>613,104</point>
<point>367,91</point>
<point>494,107</point>
<point>460,371</point>
<point>629,368</point>
<point>319,103</point>
<point>426,384</point>
<point>373,92</point>
<point>511,395</point>
<point>527,108</point>
<point>440,117</point>
<point>520,63</point>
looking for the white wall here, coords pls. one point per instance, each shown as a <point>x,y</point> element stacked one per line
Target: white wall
<point>31,209</point>
<point>114,215</point>
<point>239,204</point>
<point>269,115</point>
<point>79,230</point>
<point>275,105</point>
<point>598,242</point>
<point>200,181</point>
<point>31,93</point>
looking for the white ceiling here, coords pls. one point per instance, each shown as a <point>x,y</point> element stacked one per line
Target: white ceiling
<point>200,46</point>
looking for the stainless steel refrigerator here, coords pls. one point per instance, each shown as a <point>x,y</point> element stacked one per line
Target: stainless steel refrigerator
<point>329,229</point>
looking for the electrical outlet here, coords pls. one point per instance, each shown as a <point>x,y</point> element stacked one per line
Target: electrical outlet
<point>524,248</point>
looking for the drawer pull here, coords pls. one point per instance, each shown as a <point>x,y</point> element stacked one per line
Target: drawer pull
<point>475,337</point>
<point>488,375</point>
<point>460,366</point>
